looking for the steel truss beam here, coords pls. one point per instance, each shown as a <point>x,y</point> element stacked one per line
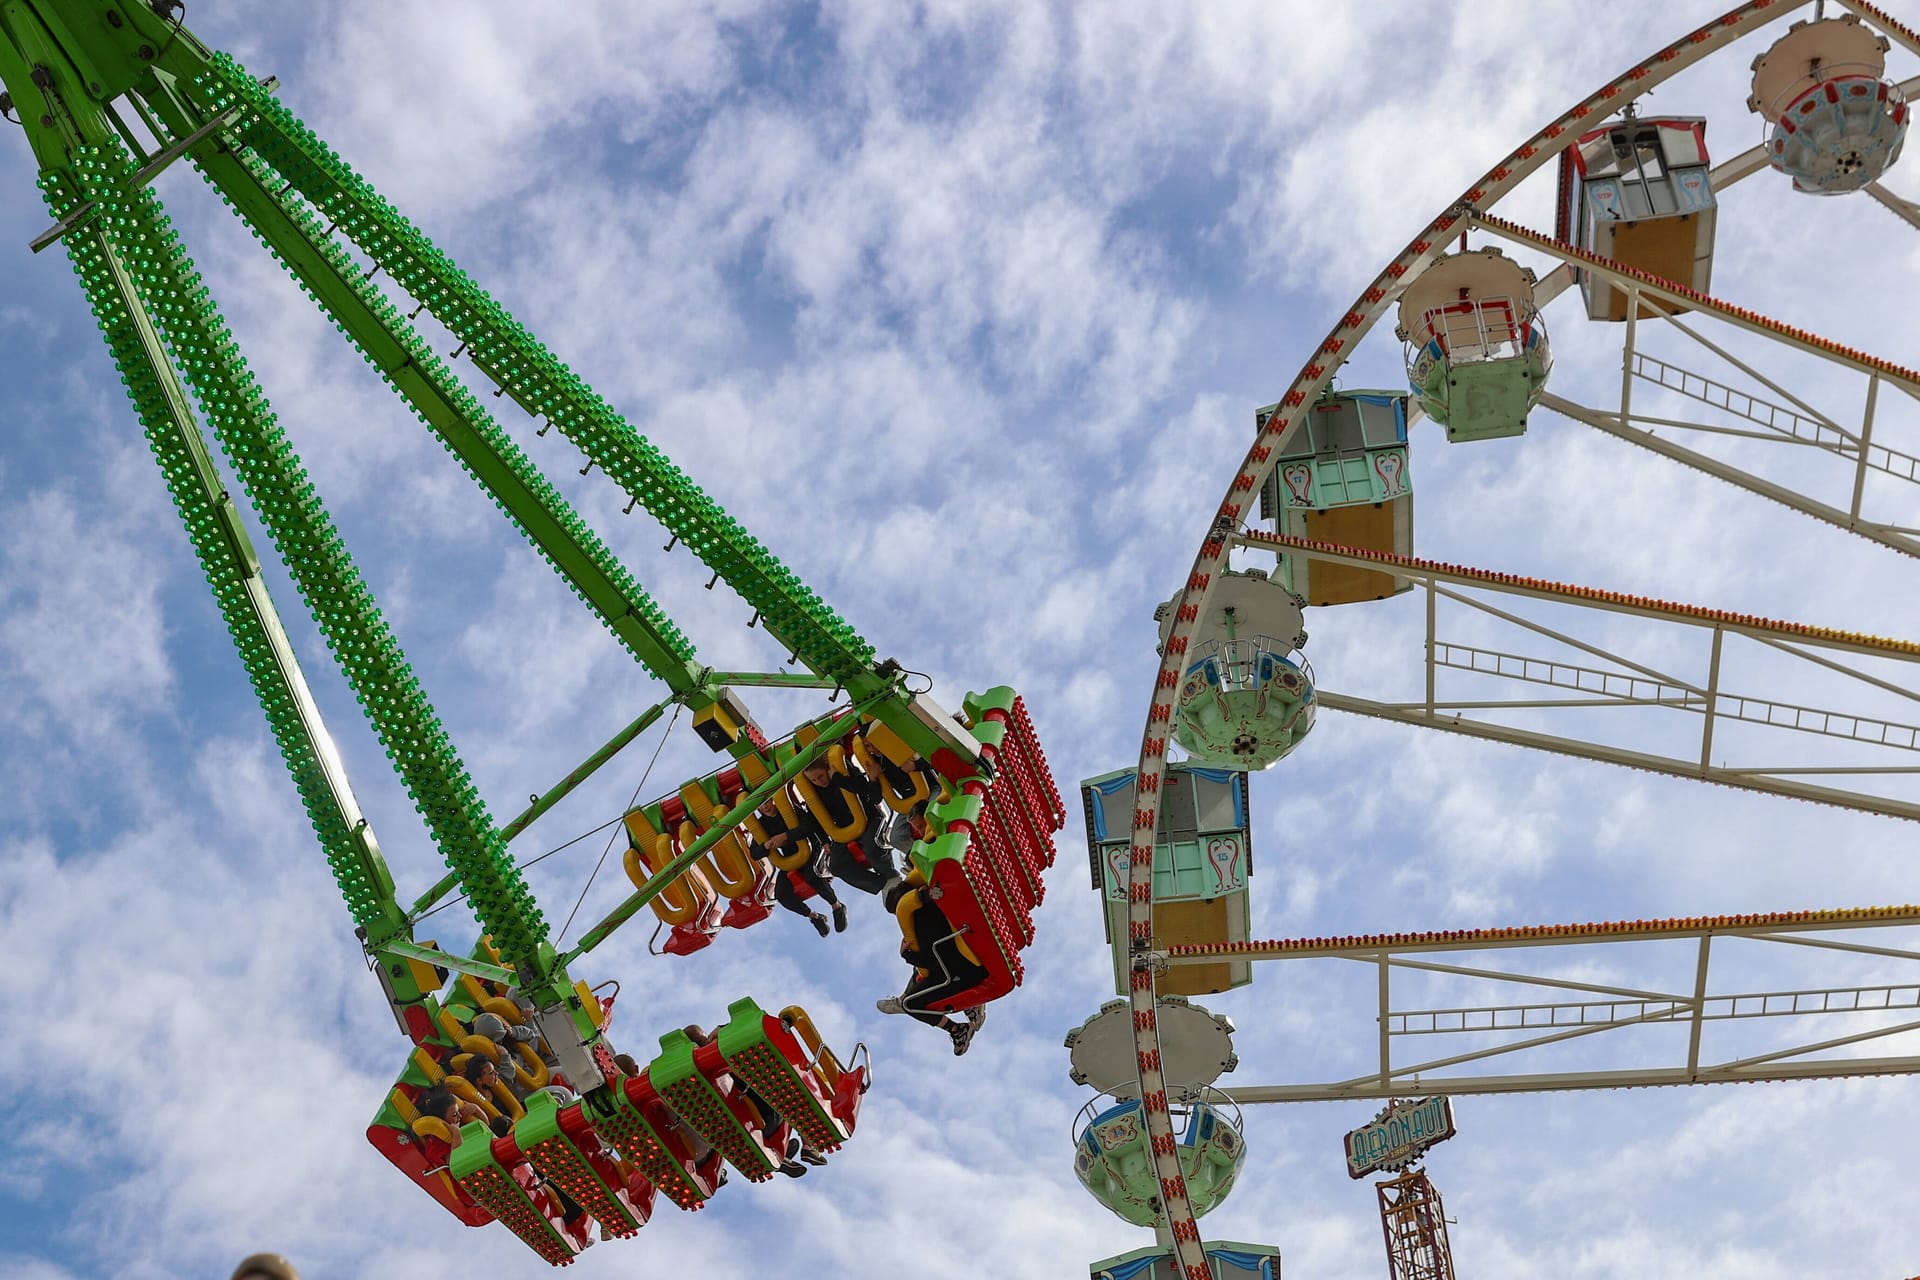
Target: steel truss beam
<point>1695,1002</point>
<point>1619,681</point>
<point>1788,420</point>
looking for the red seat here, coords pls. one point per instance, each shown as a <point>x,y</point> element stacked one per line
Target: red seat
<point>847,1096</point>
<point>685,939</point>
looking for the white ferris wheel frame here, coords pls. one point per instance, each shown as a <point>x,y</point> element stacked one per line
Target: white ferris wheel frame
<point>1225,527</point>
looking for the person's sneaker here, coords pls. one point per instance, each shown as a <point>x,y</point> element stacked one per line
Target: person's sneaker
<point>819,923</point>
<point>962,1033</point>
<point>890,1004</point>
<point>839,919</point>
<point>793,1169</point>
<point>977,1017</point>
<point>811,1156</point>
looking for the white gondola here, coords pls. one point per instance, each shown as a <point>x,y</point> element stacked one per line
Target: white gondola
<point>1637,191</point>
<point>1476,350</point>
<point>1837,121</point>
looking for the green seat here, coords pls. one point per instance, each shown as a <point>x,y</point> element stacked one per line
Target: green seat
<point>764,1054</point>
<point>632,1122</point>
<point>489,1183</point>
<point>561,1161</point>
<point>685,1087</point>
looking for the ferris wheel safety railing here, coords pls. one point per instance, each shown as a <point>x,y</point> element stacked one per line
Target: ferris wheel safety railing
<point>1472,332</point>
<point>1667,291</point>
<point>1794,422</point>
<point>1508,1031</point>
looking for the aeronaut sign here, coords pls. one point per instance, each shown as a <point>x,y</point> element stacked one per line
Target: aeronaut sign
<point>1399,1135</point>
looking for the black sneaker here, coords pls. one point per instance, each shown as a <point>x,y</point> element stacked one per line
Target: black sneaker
<point>811,1156</point>
<point>790,1163</point>
<point>839,919</point>
<point>962,1033</point>
<point>819,923</point>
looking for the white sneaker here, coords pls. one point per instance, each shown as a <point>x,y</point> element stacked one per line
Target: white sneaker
<point>891,1004</point>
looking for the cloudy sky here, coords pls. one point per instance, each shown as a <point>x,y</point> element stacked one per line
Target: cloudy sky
<point>965,310</point>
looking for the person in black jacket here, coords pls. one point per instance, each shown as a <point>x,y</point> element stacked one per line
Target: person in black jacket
<point>872,868</point>
<point>785,891</point>
<point>943,964</point>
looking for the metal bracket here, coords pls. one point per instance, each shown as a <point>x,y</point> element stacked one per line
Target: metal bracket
<point>445,960</point>
<point>151,170</point>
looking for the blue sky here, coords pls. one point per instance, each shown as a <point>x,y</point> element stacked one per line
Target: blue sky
<point>873,275</point>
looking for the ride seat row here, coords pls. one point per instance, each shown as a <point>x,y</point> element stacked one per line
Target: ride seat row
<point>993,845</point>
<point>665,1129</point>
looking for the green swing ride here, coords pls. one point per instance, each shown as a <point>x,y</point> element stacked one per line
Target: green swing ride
<point>72,69</point>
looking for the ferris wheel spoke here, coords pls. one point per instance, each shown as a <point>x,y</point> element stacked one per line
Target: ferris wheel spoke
<point>1885,22</point>
<point>1709,390</point>
<point>1907,210</point>
<point>1653,289</point>
<point>1892,536</point>
<point>1710,988</point>
<point>1540,678</point>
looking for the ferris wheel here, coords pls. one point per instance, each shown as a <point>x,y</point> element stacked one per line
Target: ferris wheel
<point>1613,224</point>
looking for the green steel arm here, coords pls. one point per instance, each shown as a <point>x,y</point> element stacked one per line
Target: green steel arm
<point>533,376</point>
<point>363,313</point>
<point>398,949</point>
<point>526,370</point>
<point>772,679</point>
<point>305,539</point>
<point>73,138</point>
<point>552,796</point>
<point>233,572</point>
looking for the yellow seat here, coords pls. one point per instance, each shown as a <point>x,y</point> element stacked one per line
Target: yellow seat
<point>684,899</point>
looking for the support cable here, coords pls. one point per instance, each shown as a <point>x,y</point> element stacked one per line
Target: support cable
<point>561,937</point>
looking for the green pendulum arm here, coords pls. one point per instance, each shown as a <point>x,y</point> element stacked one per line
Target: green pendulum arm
<point>304,536</point>
<point>62,62</point>
<point>232,570</point>
<point>362,312</point>
<point>72,138</point>
<point>526,370</point>
<point>523,368</point>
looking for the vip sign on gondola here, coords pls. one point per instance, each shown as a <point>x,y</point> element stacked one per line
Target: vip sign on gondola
<point>1399,1135</point>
